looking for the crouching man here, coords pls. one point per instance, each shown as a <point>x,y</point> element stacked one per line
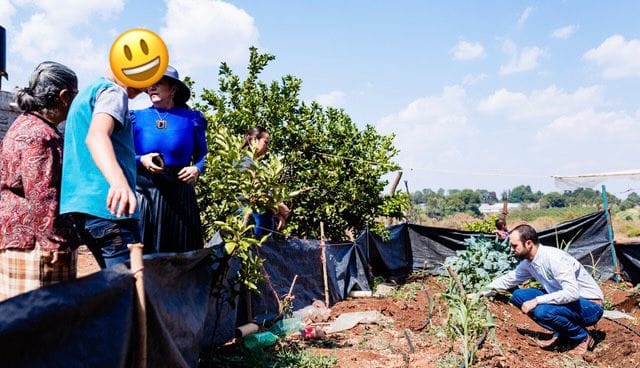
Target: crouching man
<point>572,301</point>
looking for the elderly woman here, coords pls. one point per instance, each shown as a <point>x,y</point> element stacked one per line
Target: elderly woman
<point>36,246</point>
<point>171,147</point>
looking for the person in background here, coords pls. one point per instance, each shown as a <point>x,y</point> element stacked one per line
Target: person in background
<point>99,169</point>
<point>37,246</point>
<point>258,138</point>
<point>571,300</point>
<point>501,230</point>
<point>171,148</point>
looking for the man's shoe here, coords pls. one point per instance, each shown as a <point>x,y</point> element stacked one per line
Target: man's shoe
<point>547,344</point>
<point>582,348</point>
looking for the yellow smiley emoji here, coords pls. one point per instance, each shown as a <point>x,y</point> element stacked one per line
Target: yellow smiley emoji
<point>139,58</point>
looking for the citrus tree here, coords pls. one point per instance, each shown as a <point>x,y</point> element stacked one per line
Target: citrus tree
<point>335,167</point>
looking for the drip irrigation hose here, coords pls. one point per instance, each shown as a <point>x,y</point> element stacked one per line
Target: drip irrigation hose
<point>623,325</point>
<point>430,313</point>
<point>406,335</point>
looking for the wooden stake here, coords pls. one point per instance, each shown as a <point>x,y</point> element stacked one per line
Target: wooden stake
<point>293,283</point>
<point>323,257</point>
<point>389,221</point>
<point>505,210</point>
<point>137,266</point>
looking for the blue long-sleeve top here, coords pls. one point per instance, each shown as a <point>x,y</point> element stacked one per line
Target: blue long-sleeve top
<point>181,140</point>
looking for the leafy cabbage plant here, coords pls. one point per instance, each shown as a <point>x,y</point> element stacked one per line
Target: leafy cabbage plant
<point>483,260</point>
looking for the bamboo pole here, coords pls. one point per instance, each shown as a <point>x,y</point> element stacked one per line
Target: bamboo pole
<point>323,258</point>
<point>389,221</point>
<point>137,266</point>
<point>412,212</point>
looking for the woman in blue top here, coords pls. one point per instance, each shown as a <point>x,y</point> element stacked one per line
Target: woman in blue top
<point>171,147</point>
<point>258,138</point>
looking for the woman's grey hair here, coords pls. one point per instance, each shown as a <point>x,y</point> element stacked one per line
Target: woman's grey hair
<point>45,84</point>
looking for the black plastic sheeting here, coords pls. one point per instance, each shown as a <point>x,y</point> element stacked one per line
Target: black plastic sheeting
<point>286,258</point>
<point>628,255</point>
<point>588,241</point>
<point>91,321</point>
<point>85,323</point>
<point>413,248</point>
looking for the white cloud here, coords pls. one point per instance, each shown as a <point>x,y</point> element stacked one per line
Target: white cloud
<point>617,57</point>
<point>470,79</point>
<point>589,141</point>
<point>563,33</point>
<point>465,50</point>
<point>524,16</point>
<point>431,131</point>
<point>51,33</point>
<point>67,13</point>
<point>7,10</point>
<point>333,98</point>
<point>548,103</point>
<point>520,61</point>
<point>202,33</point>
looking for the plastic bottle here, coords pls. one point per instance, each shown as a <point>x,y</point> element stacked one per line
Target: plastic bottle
<point>260,340</point>
<point>311,332</point>
<point>286,326</point>
<point>316,312</point>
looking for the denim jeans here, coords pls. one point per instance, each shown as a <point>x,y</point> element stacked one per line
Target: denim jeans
<point>565,320</point>
<point>108,239</point>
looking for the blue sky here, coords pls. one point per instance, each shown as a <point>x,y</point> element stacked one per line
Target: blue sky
<point>484,94</point>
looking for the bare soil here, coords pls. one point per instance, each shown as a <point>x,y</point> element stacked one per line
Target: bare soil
<point>389,343</point>
<point>510,345</point>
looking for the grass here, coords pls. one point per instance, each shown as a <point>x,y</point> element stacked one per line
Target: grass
<point>555,214</point>
<point>304,359</point>
<point>283,356</point>
<point>407,291</point>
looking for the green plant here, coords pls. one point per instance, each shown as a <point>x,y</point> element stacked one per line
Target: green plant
<point>303,359</point>
<point>322,150</point>
<point>376,281</point>
<point>406,291</point>
<point>487,225</point>
<point>633,232</point>
<point>235,184</point>
<point>467,319</point>
<point>482,260</point>
<point>608,305</point>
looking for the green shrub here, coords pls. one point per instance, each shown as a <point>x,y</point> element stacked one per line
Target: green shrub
<point>482,261</point>
<point>488,225</point>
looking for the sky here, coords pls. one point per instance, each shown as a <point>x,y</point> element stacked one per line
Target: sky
<point>479,94</point>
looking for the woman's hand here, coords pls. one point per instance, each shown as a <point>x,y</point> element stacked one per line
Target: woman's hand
<point>152,162</point>
<point>189,174</point>
<point>281,217</point>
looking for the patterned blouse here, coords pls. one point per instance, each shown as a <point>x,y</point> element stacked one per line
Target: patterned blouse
<point>30,169</point>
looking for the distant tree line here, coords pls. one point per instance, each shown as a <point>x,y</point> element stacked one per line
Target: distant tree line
<point>441,203</point>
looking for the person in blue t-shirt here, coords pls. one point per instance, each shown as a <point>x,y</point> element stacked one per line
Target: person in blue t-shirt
<point>171,148</point>
<point>98,169</point>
